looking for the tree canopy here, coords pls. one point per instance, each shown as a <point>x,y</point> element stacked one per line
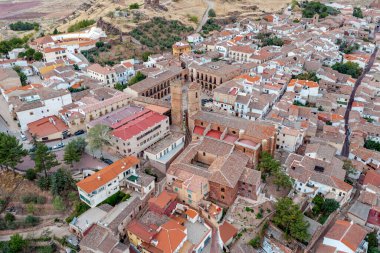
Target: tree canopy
<point>357,12</point>
<point>44,158</point>
<point>289,218</point>
<point>74,151</point>
<point>348,68</point>
<point>23,77</point>
<point>312,8</point>
<point>267,164</point>
<point>61,183</point>
<point>24,26</point>
<point>310,76</point>
<point>11,151</point>
<point>98,137</point>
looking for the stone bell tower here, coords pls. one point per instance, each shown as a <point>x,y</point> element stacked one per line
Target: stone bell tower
<point>176,102</point>
<point>194,102</point>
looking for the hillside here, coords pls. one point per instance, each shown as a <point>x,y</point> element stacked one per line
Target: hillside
<point>180,10</point>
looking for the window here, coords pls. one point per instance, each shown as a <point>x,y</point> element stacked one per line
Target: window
<point>222,189</point>
<point>222,196</point>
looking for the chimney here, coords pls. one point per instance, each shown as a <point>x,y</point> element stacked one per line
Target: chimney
<point>99,178</point>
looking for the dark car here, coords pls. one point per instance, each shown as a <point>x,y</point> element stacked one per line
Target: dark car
<point>79,132</point>
<point>107,161</point>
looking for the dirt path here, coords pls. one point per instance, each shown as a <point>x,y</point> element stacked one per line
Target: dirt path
<point>210,5</point>
<point>36,232</point>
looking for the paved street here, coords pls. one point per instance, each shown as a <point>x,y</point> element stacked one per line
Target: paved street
<point>346,145</point>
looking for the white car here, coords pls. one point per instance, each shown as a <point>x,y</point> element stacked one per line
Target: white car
<point>23,137</point>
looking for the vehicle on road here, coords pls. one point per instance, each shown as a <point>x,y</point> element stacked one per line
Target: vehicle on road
<point>23,137</point>
<point>107,161</point>
<point>58,146</point>
<point>79,132</point>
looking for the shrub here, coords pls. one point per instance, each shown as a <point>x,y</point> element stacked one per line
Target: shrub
<point>30,174</point>
<point>80,25</point>
<point>9,218</point>
<point>44,183</point>
<point>79,209</point>
<point>32,221</point>
<point>212,13</point>
<point>24,26</point>
<point>193,19</point>
<point>99,44</point>
<point>134,6</point>
<point>114,199</point>
<point>33,198</point>
<point>255,242</point>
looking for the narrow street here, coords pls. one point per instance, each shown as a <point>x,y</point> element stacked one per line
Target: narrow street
<point>346,145</point>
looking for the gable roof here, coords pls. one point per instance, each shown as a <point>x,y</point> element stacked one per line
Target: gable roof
<point>107,174</point>
<point>170,236</point>
<point>227,231</point>
<point>348,233</point>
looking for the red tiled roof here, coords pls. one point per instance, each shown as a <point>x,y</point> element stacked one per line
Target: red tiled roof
<point>227,231</point>
<point>107,174</point>
<point>47,126</point>
<point>163,199</point>
<point>142,231</point>
<point>348,233</point>
<point>214,134</point>
<point>373,178</point>
<point>199,130</point>
<point>136,124</point>
<point>170,236</point>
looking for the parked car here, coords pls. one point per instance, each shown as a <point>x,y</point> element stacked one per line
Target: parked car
<point>107,161</point>
<point>23,137</point>
<point>79,132</point>
<point>59,145</point>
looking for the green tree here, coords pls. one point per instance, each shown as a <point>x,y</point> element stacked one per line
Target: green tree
<point>98,137</point>
<point>348,166</point>
<point>55,32</point>
<point>120,86</point>
<point>212,13</point>
<point>30,174</point>
<point>17,243</point>
<point>23,77</point>
<point>137,78</point>
<point>32,221</point>
<point>255,242</point>
<point>11,151</point>
<point>318,202</point>
<point>329,206</point>
<point>44,159</point>
<point>373,244</point>
<point>76,67</point>
<point>145,55</point>
<point>267,164</point>
<point>61,183</point>
<point>37,56</point>
<point>311,76</point>
<point>9,218</point>
<point>357,12</point>
<point>74,151</point>
<point>349,68</point>
<point>282,180</point>
<point>289,218</point>
<point>99,44</point>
